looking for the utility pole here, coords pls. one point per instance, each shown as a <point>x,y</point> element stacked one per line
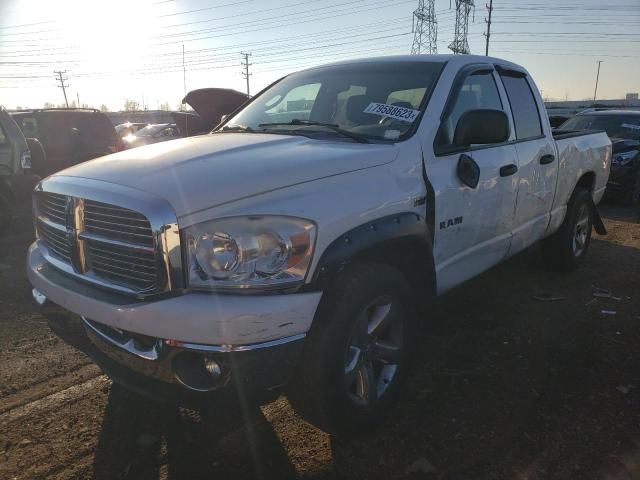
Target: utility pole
<point>184,76</point>
<point>488,34</point>
<point>245,74</point>
<point>425,29</point>
<point>595,91</point>
<point>460,43</point>
<point>62,84</point>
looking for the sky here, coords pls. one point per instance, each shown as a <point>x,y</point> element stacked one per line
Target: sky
<point>117,50</point>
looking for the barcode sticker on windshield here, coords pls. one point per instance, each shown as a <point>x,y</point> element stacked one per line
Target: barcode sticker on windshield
<point>633,127</point>
<point>392,111</point>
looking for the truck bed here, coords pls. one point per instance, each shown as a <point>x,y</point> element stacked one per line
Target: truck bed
<point>579,152</point>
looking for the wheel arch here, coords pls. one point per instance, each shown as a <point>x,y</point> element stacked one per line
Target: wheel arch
<point>586,181</point>
<point>402,241</point>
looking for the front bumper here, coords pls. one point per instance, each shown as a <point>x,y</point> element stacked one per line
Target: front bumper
<point>177,374</point>
<point>183,348</point>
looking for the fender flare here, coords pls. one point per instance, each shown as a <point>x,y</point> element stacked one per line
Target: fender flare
<point>399,229</point>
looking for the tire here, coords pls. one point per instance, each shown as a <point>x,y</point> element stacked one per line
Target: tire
<point>567,248</point>
<point>358,351</point>
<point>6,213</point>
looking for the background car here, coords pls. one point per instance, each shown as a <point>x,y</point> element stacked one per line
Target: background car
<point>69,136</point>
<point>126,129</point>
<point>623,128</point>
<point>160,132</point>
<point>16,177</point>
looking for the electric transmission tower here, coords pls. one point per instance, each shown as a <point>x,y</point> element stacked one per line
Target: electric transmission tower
<point>425,29</point>
<point>460,44</point>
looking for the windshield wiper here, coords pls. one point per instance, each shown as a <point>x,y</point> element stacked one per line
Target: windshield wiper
<point>236,128</point>
<point>330,126</point>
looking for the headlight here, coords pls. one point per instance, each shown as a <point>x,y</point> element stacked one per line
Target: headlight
<point>623,159</point>
<point>249,252</point>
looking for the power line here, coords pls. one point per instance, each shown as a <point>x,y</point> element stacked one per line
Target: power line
<point>425,29</point>
<point>245,73</point>
<point>62,84</point>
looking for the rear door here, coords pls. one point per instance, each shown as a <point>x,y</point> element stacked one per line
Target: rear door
<point>537,164</point>
<point>472,225</point>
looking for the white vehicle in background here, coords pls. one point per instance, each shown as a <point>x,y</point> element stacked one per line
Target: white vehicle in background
<point>295,245</point>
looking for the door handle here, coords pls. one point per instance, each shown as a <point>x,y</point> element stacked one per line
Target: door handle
<point>508,170</point>
<point>546,159</point>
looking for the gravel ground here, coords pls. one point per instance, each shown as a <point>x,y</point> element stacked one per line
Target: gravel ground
<point>504,387</point>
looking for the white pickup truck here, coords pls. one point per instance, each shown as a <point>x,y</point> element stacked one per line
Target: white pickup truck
<point>298,244</point>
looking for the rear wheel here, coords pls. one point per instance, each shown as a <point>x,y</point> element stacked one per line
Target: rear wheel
<point>566,249</point>
<point>357,352</point>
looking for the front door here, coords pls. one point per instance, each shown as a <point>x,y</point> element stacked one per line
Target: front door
<point>472,225</point>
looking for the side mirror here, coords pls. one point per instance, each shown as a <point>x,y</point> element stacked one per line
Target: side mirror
<point>223,118</point>
<point>481,127</point>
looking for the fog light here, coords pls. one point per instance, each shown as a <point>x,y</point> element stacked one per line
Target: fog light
<point>212,367</point>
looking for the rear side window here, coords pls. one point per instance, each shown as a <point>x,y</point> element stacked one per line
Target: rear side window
<point>523,107</point>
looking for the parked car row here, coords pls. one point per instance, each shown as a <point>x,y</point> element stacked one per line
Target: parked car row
<point>40,142</point>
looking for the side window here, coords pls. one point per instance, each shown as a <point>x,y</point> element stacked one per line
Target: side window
<point>478,91</point>
<point>297,103</point>
<point>29,127</point>
<point>523,107</point>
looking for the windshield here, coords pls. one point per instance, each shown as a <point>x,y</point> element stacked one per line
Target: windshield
<point>149,130</point>
<point>616,126</point>
<point>373,101</point>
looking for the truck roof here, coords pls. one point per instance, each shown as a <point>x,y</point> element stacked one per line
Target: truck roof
<point>458,60</point>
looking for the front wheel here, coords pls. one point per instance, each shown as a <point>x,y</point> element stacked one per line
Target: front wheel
<point>357,352</point>
<point>566,249</point>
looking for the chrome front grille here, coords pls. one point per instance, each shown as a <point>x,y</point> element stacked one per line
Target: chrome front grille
<point>103,243</point>
<point>56,241</point>
<point>117,223</point>
<point>53,206</point>
<point>122,265</point>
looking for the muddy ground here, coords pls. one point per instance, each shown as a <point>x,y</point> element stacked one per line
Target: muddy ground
<point>504,387</point>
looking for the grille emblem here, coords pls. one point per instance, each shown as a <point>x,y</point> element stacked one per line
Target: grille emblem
<point>72,227</point>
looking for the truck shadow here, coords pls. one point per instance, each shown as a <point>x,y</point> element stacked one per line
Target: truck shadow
<point>504,386</point>
<point>507,386</point>
<point>140,440</point>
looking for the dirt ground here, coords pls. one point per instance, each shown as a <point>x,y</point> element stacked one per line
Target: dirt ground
<point>504,387</point>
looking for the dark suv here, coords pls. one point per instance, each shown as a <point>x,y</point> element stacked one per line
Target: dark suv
<point>623,128</point>
<point>69,136</point>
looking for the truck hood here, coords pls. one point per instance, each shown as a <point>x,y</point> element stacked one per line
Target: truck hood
<point>212,103</point>
<point>209,170</point>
